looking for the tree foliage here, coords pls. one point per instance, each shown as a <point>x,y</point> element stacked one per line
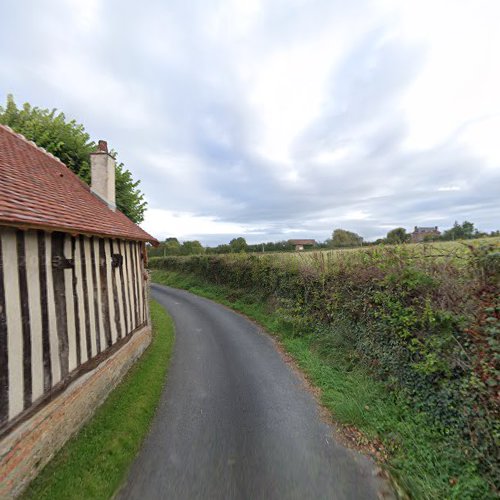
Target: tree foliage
<point>68,141</point>
<point>129,198</point>
<point>270,246</point>
<point>464,231</point>
<point>342,239</point>
<point>238,245</point>
<point>398,235</point>
<point>169,247</point>
<point>192,248</point>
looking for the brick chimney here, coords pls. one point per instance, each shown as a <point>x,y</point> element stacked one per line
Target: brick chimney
<point>103,174</point>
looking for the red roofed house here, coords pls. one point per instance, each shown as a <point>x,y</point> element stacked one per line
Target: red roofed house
<point>301,244</point>
<point>73,300</point>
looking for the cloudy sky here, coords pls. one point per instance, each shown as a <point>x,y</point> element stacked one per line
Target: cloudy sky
<point>275,119</point>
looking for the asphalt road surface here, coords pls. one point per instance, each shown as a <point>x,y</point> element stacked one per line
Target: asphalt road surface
<point>236,422</point>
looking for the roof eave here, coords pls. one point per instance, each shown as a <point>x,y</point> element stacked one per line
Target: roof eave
<point>75,231</point>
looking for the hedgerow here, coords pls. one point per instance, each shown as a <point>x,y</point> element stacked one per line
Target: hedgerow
<point>428,327</point>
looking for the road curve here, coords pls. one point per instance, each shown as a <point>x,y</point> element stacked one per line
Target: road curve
<point>234,420</point>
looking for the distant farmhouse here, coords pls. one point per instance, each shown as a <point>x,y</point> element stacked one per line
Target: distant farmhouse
<point>302,244</point>
<point>421,233</point>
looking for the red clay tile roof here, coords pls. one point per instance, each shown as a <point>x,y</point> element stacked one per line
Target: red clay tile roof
<point>302,242</point>
<point>37,190</point>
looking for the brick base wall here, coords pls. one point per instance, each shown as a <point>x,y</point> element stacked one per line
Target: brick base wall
<point>28,448</point>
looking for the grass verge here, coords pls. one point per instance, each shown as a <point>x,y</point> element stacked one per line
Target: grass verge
<point>94,462</point>
<point>424,461</point>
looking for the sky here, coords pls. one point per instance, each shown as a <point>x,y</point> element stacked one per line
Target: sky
<point>276,119</point>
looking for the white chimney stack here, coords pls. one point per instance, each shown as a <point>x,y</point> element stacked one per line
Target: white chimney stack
<point>103,174</point>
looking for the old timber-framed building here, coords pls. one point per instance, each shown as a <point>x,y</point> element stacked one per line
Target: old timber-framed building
<point>73,299</point>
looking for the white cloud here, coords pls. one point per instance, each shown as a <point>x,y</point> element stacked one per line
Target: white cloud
<point>287,91</point>
<point>460,78</point>
<point>85,13</point>
<point>110,98</point>
<point>482,137</point>
<point>186,226</point>
<point>269,118</point>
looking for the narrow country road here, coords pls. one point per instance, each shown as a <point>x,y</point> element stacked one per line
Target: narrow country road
<point>235,421</point>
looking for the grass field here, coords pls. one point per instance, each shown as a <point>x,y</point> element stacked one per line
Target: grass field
<point>456,251</point>
<point>438,249</point>
<point>93,464</point>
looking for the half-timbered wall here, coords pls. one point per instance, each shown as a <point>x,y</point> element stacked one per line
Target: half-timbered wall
<point>66,303</point>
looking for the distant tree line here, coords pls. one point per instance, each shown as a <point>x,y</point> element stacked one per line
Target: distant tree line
<point>341,238</point>
<point>172,246</point>
<point>463,231</point>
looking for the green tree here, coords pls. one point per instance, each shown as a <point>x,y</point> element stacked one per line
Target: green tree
<point>192,248</point>
<point>342,239</point>
<point>238,245</point>
<point>129,198</point>
<point>68,141</point>
<point>222,249</point>
<point>398,235</point>
<point>170,246</point>
<point>464,231</point>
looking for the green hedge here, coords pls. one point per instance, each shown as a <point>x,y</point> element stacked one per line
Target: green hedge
<point>427,326</point>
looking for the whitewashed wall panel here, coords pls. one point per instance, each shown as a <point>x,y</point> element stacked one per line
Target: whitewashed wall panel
<point>66,302</point>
